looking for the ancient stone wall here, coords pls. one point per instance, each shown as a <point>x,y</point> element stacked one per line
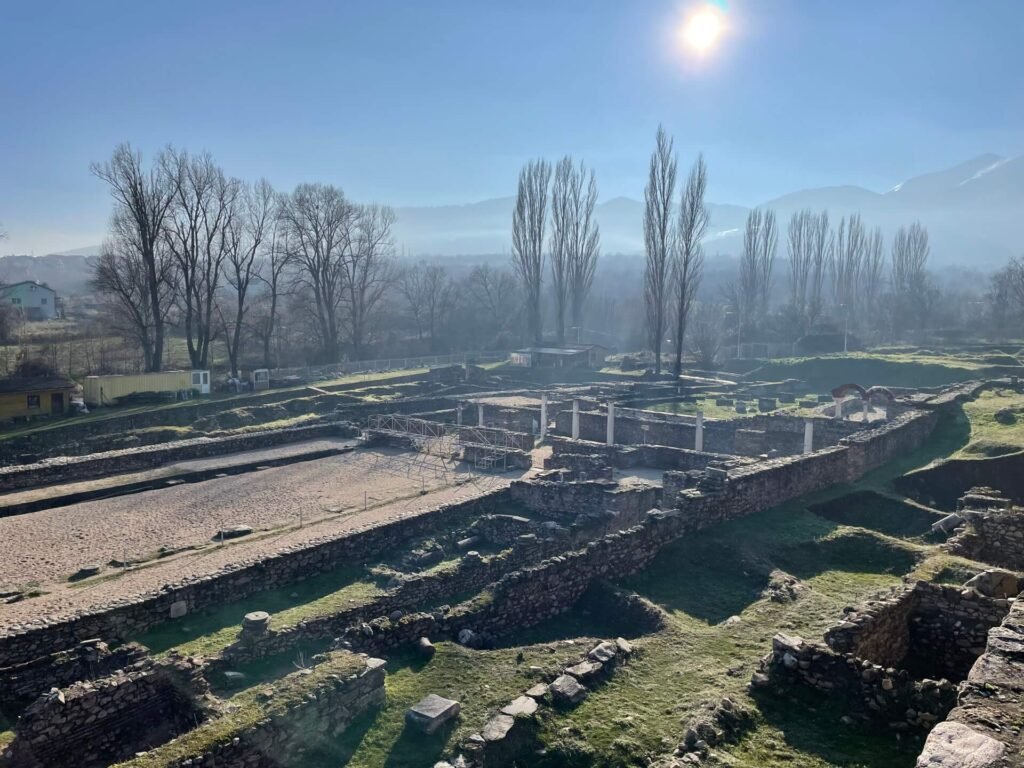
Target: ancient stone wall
<point>983,730</point>
<point>931,630</point>
<point>629,456</point>
<point>784,433</point>
<point>571,500</point>
<point>124,619</point>
<point>89,660</point>
<point>869,689</point>
<point>302,712</point>
<point>941,484</point>
<point>993,536</point>
<point>93,724</point>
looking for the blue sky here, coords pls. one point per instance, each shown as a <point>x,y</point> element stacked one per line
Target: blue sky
<point>441,101</point>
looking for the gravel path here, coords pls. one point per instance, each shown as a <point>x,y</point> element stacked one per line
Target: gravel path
<point>191,465</point>
<point>47,546</point>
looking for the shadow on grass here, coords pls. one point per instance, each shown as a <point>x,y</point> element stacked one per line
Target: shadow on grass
<point>867,509</point>
<point>175,632</point>
<point>811,723</point>
<point>717,573</point>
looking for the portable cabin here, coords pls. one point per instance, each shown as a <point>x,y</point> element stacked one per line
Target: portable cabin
<point>37,396</point>
<point>108,390</point>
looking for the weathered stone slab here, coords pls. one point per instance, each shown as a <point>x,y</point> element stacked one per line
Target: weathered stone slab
<point>566,689</point>
<point>602,652</point>
<point>585,670</point>
<point>521,706</point>
<point>498,727</point>
<point>431,713</point>
<point>954,745</point>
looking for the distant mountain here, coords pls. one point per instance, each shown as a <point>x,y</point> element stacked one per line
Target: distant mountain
<point>971,210</point>
<point>68,275</point>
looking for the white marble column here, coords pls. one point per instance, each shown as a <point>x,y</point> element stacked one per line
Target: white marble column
<point>480,414</point>
<point>543,415</point>
<point>698,439</point>
<point>809,436</point>
<point>575,419</point>
<point>611,423</point>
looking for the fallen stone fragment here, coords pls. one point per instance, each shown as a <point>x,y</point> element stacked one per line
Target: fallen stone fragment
<point>497,727</point>
<point>566,689</point>
<point>585,670</point>
<point>954,745</point>
<point>602,652</point>
<point>431,713</point>
<point>520,706</point>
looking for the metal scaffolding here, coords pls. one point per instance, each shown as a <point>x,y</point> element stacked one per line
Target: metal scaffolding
<point>488,447</point>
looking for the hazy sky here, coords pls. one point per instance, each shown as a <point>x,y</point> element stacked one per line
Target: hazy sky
<point>440,101</point>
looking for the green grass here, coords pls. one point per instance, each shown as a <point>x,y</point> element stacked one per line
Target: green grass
<point>919,369</point>
<point>885,514</point>
<point>988,436</point>
<point>209,632</point>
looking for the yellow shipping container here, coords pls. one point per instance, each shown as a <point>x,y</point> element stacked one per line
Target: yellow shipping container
<point>106,390</point>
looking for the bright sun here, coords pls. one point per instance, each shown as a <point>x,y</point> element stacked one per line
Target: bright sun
<point>703,29</point>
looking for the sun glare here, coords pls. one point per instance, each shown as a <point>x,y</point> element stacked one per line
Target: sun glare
<point>703,29</point>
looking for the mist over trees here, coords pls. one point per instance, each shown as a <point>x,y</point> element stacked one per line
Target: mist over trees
<point>207,270</point>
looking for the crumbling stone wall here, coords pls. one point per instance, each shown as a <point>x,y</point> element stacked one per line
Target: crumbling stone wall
<point>93,724</point>
<point>571,500</point>
<point>994,535</point>
<point>983,730</point>
<point>122,620</point>
<point>931,630</point>
<point>90,660</point>
<point>784,433</point>
<point>872,691</point>
<point>317,705</point>
<point>629,456</point>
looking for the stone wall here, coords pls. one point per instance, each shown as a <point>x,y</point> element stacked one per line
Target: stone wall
<point>942,484</point>
<point>93,724</point>
<point>124,619</point>
<point>930,630</point>
<point>569,501</point>
<point>870,690</point>
<point>784,433</point>
<point>302,712</point>
<point>994,535</point>
<point>72,469</point>
<point>91,659</point>
<point>630,456</point>
<point>984,729</point>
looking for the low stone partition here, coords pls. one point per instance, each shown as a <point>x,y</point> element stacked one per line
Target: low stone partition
<point>993,533</point>
<point>126,618</point>
<point>942,484</point>
<point>871,691</point>
<point>96,723</point>
<point>579,499</point>
<point>290,717</point>
<point>90,660</point>
<point>630,456</point>
<point>984,729</point>
<point>783,433</point>
<point>930,630</point>
<point>68,469</point>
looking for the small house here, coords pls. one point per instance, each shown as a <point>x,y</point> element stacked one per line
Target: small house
<point>38,396</point>
<point>32,300</point>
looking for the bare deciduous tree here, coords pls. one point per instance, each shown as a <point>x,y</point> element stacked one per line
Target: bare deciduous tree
<point>428,291</point>
<point>799,241</point>
<point>199,235</point>
<point>661,185</point>
<point>528,226</point>
<point>912,291</point>
<point>575,241</point>
<point>275,261</point>
<point>847,264</point>
<point>496,299</point>
<point>872,278</point>
<point>368,272</point>
<point>142,203</point>
<point>320,226</point>
<point>688,261</point>
<point>246,237</point>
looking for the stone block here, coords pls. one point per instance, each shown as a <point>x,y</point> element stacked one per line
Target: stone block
<point>431,713</point>
<point>521,706</point>
<point>566,689</point>
<point>179,608</point>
